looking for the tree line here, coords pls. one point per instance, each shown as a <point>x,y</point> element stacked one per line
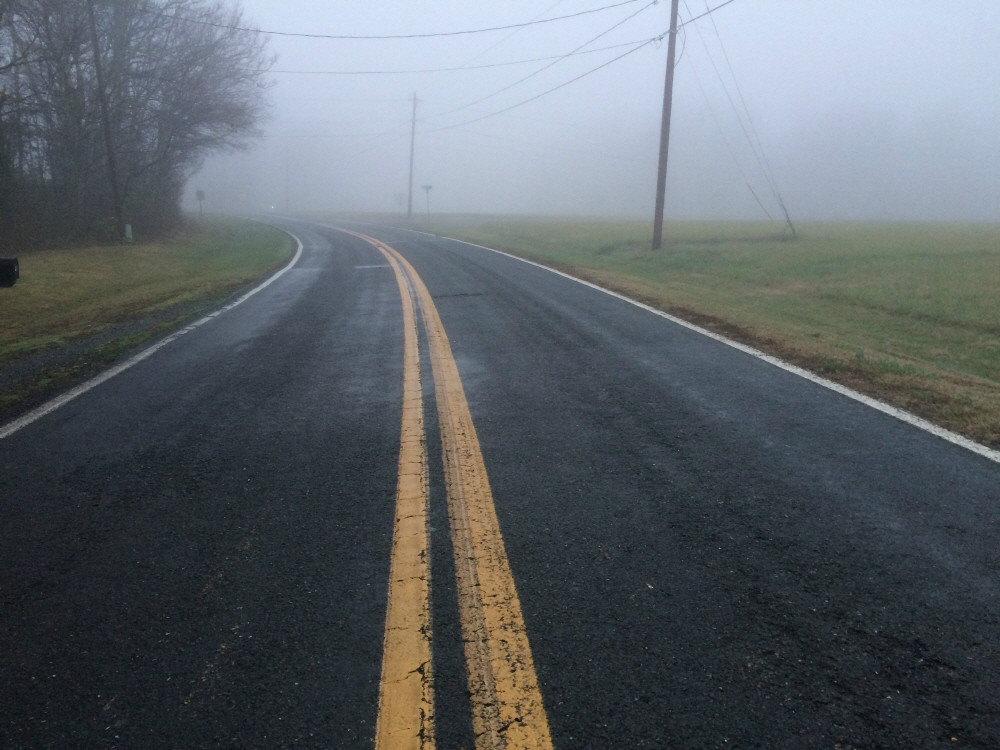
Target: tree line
<point>108,106</point>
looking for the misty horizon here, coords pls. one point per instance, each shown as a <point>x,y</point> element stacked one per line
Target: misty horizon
<point>861,112</point>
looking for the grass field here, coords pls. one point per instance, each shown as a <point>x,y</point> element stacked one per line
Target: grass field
<point>131,292</point>
<point>909,313</point>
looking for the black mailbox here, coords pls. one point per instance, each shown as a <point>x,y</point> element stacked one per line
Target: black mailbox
<point>9,271</point>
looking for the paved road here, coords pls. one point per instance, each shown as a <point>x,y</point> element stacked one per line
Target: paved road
<point>708,551</point>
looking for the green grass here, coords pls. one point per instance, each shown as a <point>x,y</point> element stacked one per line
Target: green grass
<point>909,313</point>
<point>66,294</point>
<point>76,311</point>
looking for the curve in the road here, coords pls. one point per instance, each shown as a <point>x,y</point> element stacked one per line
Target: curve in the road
<point>50,406</point>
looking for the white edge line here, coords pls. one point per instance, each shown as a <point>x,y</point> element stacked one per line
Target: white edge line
<point>892,411</point>
<point>50,406</point>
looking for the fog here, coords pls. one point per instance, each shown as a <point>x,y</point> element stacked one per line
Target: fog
<point>860,110</point>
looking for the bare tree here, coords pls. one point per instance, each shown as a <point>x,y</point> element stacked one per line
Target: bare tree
<point>118,102</point>
<point>188,80</point>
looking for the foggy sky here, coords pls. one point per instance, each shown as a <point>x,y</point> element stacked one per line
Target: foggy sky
<point>862,110</point>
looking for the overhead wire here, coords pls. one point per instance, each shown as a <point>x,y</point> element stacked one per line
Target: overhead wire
<point>766,166</point>
<point>639,46</point>
<point>718,124</point>
<point>554,62</point>
<point>551,90</point>
<point>744,119</point>
<point>635,47</point>
<point>729,145</point>
<point>708,12</point>
<point>375,37</point>
<point>512,34</point>
<point>484,66</point>
<point>444,74</point>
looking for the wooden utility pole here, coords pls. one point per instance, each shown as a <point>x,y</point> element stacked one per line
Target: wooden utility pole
<point>413,139</point>
<point>668,95</point>
<point>109,144</point>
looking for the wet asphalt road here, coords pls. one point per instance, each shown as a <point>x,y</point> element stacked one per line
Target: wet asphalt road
<point>709,551</point>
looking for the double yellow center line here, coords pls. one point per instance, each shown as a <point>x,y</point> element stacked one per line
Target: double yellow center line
<point>506,703</point>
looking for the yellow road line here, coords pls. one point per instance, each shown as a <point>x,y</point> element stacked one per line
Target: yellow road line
<point>507,708</point>
<point>406,692</point>
<point>506,701</point>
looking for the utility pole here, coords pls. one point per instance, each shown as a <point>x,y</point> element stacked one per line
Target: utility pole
<point>668,95</point>
<point>102,96</point>
<point>413,139</point>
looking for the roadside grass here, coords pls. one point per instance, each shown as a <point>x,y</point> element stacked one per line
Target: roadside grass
<point>908,313</point>
<point>121,296</point>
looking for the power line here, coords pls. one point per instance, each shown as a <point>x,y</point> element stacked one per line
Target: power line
<point>708,12</point>
<point>555,61</point>
<point>485,50</point>
<point>551,90</point>
<point>484,66</point>
<point>729,146</point>
<point>373,37</point>
<point>511,35</point>
<point>768,172</point>
<point>559,59</point>
<point>745,122</point>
